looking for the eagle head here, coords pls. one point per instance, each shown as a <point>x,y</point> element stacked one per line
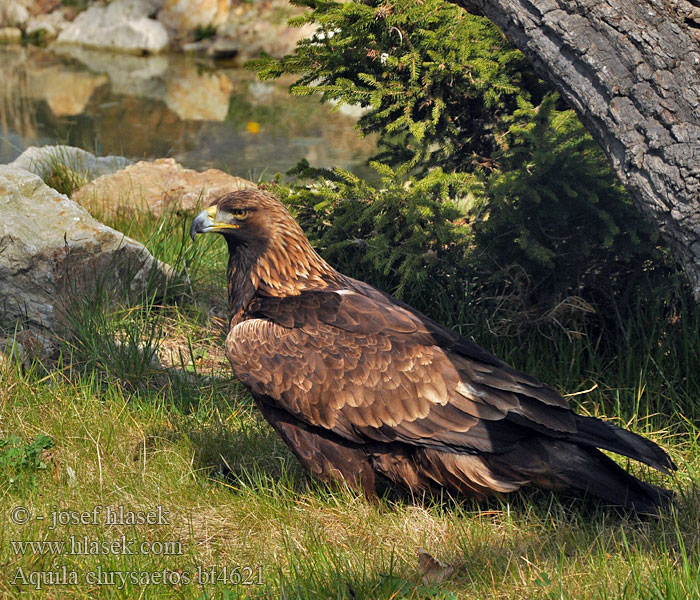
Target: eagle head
<point>245,216</point>
<point>264,241</point>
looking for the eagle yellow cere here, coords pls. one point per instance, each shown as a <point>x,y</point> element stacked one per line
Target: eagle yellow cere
<point>366,389</point>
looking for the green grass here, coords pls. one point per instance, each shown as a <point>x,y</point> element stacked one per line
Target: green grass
<point>62,171</point>
<point>180,433</point>
<point>204,32</point>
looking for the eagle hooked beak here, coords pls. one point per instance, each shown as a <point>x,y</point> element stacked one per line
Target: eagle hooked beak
<point>205,222</point>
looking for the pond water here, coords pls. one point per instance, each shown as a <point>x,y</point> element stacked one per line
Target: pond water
<point>195,111</point>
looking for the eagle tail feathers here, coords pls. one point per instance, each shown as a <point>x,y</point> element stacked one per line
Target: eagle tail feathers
<point>595,433</point>
<point>567,466</point>
<point>588,469</point>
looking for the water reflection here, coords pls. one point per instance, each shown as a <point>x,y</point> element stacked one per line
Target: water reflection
<point>148,107</point>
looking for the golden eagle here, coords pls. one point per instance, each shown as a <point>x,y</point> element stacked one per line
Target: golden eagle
<point>364,388</point>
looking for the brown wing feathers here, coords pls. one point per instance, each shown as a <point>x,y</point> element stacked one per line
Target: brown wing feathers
<point>401,351</point>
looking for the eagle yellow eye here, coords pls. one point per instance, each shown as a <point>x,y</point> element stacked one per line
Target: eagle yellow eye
<point>239,214</point>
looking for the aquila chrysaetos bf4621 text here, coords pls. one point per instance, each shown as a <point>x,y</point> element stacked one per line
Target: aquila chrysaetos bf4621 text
<point>360,385</point>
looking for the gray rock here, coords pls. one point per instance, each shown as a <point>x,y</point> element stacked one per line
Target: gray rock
<point>42,161</point>
<point>223,47</point>
<point>199,47</point>
<point>49,25</point>
<point>52,253</point>
<point>122,25</point>
<point>13,13</point>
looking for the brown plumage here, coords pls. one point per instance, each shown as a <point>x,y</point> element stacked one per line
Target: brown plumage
<point>360,385</point>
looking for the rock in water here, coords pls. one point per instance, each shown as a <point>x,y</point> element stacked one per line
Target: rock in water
<point>13,13</point>
<point>122,25</point>
<point>183,16</point>
<point>47,26</point>
<point>52,252</point>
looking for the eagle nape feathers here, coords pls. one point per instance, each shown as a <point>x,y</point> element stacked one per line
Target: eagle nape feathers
<point>360,385</point>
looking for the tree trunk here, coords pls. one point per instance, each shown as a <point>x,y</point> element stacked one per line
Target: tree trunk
<point>631,69</point>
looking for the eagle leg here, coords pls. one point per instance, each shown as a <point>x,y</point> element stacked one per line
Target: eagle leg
<point>325,455</point>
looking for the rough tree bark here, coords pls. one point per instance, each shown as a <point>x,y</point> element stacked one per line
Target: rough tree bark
<point>631,69</point>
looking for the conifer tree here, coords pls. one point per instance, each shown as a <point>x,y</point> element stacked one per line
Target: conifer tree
<point>482,166</point>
